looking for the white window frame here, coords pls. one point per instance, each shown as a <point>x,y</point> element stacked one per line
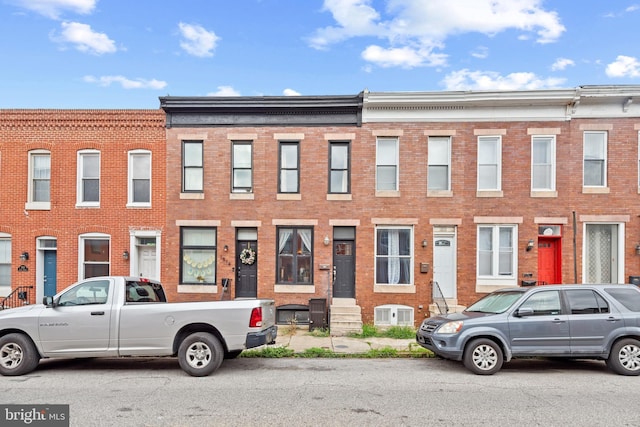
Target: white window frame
<point>284,184</point>
<point>382,161</point>
<point>81,260</point>
<point>639,162</point>
<point>5,259</point>
<point>392,311</point>
<point>620,242</point>
<point>31,203</point>
<point>130,178</point>
<point>411,256</point>
<point>497,279</point>
<point>552,165</point>
<point>198,167</point>
<point>497,162</point>
<point>432,162</point>
<point>80,181</point>
<point>603,159</point>
<point>235,188</point>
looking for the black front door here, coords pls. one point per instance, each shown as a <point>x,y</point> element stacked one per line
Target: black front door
<point>344,275</point>
<point>246,269</point>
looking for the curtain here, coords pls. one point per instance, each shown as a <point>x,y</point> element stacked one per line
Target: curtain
<point>305,235</point>
<point>394,259</point>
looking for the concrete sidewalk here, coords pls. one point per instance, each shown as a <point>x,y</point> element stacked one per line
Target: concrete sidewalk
<point>302,340</point>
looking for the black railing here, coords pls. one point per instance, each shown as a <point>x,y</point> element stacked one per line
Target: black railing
<point>438,298</point>
<point>18,297</point>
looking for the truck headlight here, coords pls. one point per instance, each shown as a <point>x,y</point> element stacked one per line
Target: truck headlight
<point>451,327</point>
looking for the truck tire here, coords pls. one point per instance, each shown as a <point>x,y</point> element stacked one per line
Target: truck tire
<point>200,354</point>
<point>18,355</point>
<point>483,357</point>
<point>624,358</point>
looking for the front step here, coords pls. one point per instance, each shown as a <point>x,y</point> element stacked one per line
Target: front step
<point>345,317</point>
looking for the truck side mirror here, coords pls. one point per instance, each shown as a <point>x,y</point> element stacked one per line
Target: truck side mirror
<point>48,301</point>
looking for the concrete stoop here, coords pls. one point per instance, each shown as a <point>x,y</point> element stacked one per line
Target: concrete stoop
<point>345,317</point>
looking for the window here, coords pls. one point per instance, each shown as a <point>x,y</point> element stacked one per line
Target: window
<point>394,256</point>
<point>543,163</point>
<point>192,167</point>
<point>140,178</point>
<point>5,262</point>
<point>439,170</point>
<point>603,260</point>
<point>496,254</point>
<point>89,293</point>
<point>39,196</point>
<point>595,159</point>
<point>339,168</point>
<point>198,255</point>
<point>289,168</point>
<point>387,164</point>
<point>89,178</point>
<point>585,301</point>
<point>543,303</point>
<point>144,291</point>
<point>95,250</point>
<point>295,257</point>
<point>242,174</point>
<point>393,315</point>
<point>489,163</point>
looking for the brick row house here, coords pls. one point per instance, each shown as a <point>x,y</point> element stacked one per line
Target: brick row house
<point>377,207</point>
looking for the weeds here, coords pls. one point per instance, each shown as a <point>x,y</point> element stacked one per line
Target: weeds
<point>272,352</point>
<point>397,332</point>
<point>319,333</point>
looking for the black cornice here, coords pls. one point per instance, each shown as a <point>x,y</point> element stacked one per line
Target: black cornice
<point>208,111</point>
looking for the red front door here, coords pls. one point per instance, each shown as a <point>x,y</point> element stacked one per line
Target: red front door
<point>549,260</point>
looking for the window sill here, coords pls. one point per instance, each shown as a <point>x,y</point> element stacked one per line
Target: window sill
<point>192,196</point>
<point>38,206</point>
<point>139,205</point>
<point>241,196</point>
<point>394,289</point>
<point>289,196</point>
<point>489,193</point>
<point>87,206</point>
<point>596,190</point>
<point>387,193</point>
<point>334,196</point>
<point>544,193</point>
<point>439,193</point>
<point>197,289</point>
<point>294,289</point>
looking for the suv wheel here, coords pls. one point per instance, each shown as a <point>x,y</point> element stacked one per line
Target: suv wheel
<point>483,357</point>
<point>624,358</point>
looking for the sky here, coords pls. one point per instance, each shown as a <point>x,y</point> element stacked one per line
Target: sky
<point>124,54</point>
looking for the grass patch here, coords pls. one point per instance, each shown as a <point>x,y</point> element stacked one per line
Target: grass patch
<point>316,352</point>
<point>319,333</point>
<point>271,352</point>
<point>397,332</point>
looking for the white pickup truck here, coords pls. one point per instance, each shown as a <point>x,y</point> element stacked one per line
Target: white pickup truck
<point>129,316</point>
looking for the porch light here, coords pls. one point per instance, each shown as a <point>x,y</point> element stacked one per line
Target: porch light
<point>125,255</point>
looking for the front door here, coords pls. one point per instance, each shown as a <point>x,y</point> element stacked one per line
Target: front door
<point>147,261</point>
<point>344,280</point>
<point>549,261</point>
<point>50,272</point>
<point>444,265</point>
<point>247,269</point>
<point>601,260</point>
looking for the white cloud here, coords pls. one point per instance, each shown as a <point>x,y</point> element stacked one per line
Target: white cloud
<point>481,52</point>
<point>290,92</point>
<point>624,66</point>
<point>561,64</point>
<point>126,83</point>
<point>423,26</point>
<point>54,8</point>
<point>84,38</point>
<point>224,91</point>
<point>197,41</point>
<point>490,80</point>
<point>405,57</point>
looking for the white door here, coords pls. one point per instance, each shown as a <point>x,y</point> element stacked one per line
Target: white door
<point>444,265</point>
<point>147,262</point>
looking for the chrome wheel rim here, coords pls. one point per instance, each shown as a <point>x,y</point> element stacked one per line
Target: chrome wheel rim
<point>11,355</point>
<point>484,357</point>
<point>629,357</point>
<point>198,355</point>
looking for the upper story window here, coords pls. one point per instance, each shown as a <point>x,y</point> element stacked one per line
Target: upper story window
<point>198,255</point>
<point>543,163</point>
<point>295,256</point>
<point>289,180</point>
<point>394,255</point>
<point>489,163</point>
<point>192,167</point>
<point>595,159</point>
<point>496,252</point>
<point>88,178</point>
<point>5,261</point>
<point>39,191</point>
<point>139,178</point>
<point>339,167</point>
<point>387,164</point>
<point>439,163</point>
<point>242,174</point>
<point>94,255</point>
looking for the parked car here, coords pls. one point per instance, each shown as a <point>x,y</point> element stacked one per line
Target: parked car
<point>129,316</point>
<point>565,321</point>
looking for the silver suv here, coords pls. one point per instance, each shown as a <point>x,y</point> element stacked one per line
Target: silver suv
<point>571,321</point>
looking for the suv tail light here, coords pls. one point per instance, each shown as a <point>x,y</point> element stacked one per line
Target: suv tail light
<point>256,318</point>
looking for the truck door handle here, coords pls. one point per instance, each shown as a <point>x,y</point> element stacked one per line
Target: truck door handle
<point>97,313</point>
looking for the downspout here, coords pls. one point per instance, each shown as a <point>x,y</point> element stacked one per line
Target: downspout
<point>575,251</point>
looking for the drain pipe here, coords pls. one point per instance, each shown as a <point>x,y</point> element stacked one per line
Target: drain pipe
<point>575,251</point>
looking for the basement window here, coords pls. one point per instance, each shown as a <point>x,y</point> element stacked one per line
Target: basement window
<point>393,315</point>
<point>292,313</point>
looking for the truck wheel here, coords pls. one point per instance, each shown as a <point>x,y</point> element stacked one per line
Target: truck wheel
<point>624,358</point>
<point>483,357</point>
<point>200,354</point>
<point>18,355</point>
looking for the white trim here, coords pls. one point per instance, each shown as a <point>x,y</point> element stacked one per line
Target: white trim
<point>80,158</point>
<point>130,168</point>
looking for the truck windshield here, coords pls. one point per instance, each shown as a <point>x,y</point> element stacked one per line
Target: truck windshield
<point>144,291</point>
<point>495,303</point>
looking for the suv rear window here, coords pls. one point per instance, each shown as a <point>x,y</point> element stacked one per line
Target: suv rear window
<point>630,298</point>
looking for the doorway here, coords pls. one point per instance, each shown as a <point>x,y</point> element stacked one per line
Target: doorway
<point>344,262</point>
<point>247,263</point>
<point>444,264</point>
<point>46,267</point>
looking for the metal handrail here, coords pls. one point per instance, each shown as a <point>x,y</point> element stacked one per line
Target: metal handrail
<point>18,297</point>
<point>439,299</point>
